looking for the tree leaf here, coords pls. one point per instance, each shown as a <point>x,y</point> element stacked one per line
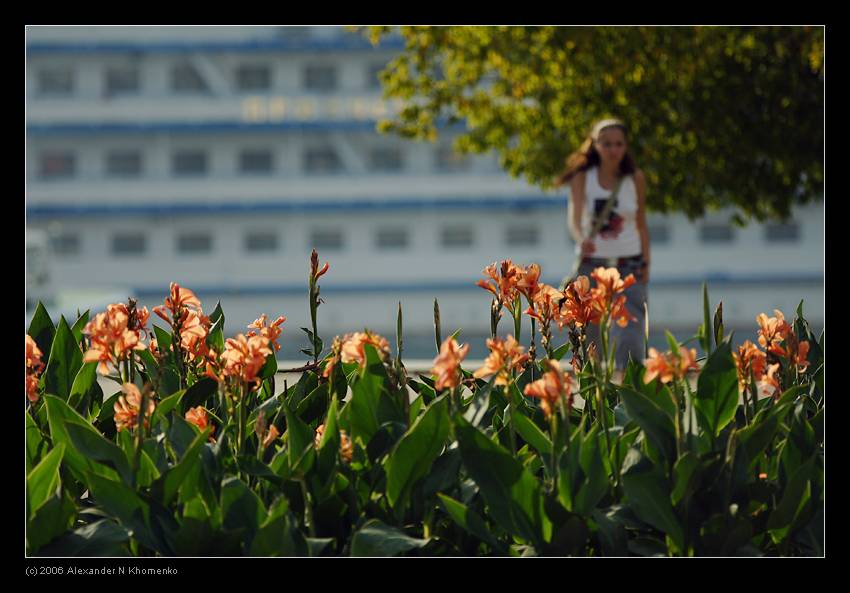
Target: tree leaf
<point>532,434</point>
<point>198,394</point>
<point>85,384</point>
<point>649,495</point>
<point>79,325</point>
<point>167,485</point>
<point>717,390</point>
<point>685,477</point>
<point>128,508</point>
<point>90,443</point>
<point>101,538</point>
<point>53,518</point>
<point>58,414</point>
<point>470,521</point>
<point>513,495</point>
<point>414,453</point>
<point>655,422</point>
<point>42,330</point>
<point>64,362</point>
<point>300,442</point>
<point>241,507</point>
<point>43,481</point>
<point>376,538</point>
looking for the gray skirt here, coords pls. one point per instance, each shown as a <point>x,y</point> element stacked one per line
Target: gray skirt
<point>629,340</point>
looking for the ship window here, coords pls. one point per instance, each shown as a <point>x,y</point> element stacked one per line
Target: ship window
<point>189,162</point>
<point>386,159</point>
<point>322,160</point>
<point>186,79</point>
<point>129,244</point>
<point>525,235</point>
<point>193,243</point>
<point>56,81</point>
<point>782,233</point>
<point>253,77</point>
<point>328,239</point>
<point>716,233</point>
<point>57,164</point>
<point>255,161</point>
<point>124,163</point>
<point>320,78</point>
<point>259,241</point>
<point>65,244</point>
<point>392,238</point>
<point>122,81</point>
<point>457,236</point>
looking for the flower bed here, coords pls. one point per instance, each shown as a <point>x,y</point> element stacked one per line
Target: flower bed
<point>194,454</point>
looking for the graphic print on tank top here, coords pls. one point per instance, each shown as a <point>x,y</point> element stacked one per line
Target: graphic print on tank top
<point>612,227</point>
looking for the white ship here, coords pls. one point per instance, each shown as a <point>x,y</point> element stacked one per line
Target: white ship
<point>219,157</point>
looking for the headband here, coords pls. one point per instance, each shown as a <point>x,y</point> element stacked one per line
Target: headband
<point>605,123</point>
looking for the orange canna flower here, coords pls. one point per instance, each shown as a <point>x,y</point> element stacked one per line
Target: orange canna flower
<point>333,357</point>
<point>504,282</point>
<point>243,358</point>
<point>687,361</point>
<point>773,331</point>
<point>620,314</point>
<point>577,305</point>
<point>800,359</point>
<point>505,355</point>
<point>447,364</point>
<point>608,281</point>
<point>554,385</point>
<point>657,365</point>
<point>198,416</point>
<point>346,447</point>
<point>353,347</point>
<point>748,360</point>
<point>608,285</point>
<point>315,272</point>
<point>193,334</point>
<point>126,409</point>
<point>320,432</point>
<point>272,332</point>
<point>271,435</point>
<point>670,365</point>
<point>111,338</point>
<point>545,303</point>
<point>179,299</point>
<point>529,281</point>
<point>34,367</point>
<point>777,336</point>
<point>769,384</point>
<point>138,318</point>
<point>532,313</point>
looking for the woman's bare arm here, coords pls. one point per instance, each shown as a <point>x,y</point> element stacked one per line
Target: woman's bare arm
<point>643,229</point>
<point>574,213</point>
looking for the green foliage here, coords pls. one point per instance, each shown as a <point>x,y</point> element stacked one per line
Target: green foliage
<point>475,471</point>
<point>64,362</point>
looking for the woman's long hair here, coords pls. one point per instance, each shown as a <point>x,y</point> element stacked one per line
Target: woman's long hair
<point>586,156</point>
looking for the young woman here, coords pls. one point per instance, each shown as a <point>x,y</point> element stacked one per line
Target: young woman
<point>622,240</point>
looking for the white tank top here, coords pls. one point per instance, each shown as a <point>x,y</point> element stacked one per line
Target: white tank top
<point>619,236</point>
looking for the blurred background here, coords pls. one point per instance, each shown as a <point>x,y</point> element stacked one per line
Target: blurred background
<point>219,157</point>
